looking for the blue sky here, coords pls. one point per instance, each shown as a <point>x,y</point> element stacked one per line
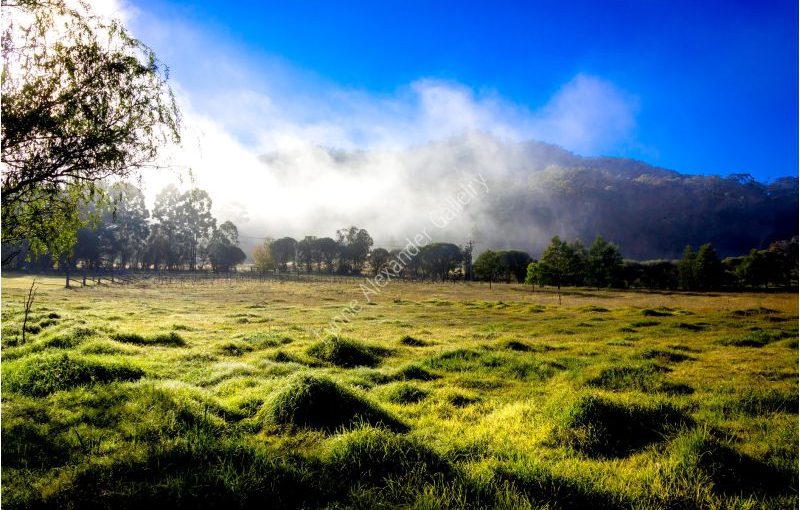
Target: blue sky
<point>699,87</point>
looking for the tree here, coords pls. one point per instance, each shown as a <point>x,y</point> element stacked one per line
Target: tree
<point>187,222</point>
<point>708,268</point>
<point>603,264</point>
<point>354,245</point>
<point>82,101</point>
<point>488,266</point>
<point>562,263</point>
<point>515,262</point>
<point>687,269</point>
<point>195,222</point>
<point>378,259</point>
<point>126,219</point>
<point>757,269</point>
<point>328,250</point>
<point>438,259</point>
<point>532,274</point>
<point>785,256</point>
<point>307,252</point>
<point>223,250</point>
<point>262,257</point>
<point>283,251</point>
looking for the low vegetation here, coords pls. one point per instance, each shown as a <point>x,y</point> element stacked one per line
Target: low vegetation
<point>436,396</point>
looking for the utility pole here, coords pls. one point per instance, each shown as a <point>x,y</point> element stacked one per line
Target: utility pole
<point>468,260</point>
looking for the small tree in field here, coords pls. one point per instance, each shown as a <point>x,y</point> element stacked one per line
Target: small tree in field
<point>562,263</point>
<point>488,266</point>
<point>532,274</point>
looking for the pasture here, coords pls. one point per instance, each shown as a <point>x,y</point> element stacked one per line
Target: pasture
<point>221,394</point>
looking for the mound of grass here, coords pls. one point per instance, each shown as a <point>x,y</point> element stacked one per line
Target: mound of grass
<point>458,399</point>
<point>415,372</point>
<point>750,312</point>
<point>459,359</point>
<point>691,327</point>
<point>347,353</point>
<point>762,402</point>
<point>171,339</point>
<point>410,341</point>
<point>38,376</point>
<point>594,308</point>
<point>320,403</point>
<point>543,488</point>
<point>515,345</point>
<point>758,338</point>
<point>730,471</point>
<point>284,357</point>
<point>233,348</point>
<point>373,455</point>
<point>69,338</point>
<point>405,393</point>
<point>262,340</point>
<point>599,427</point>
<point>33,329</point>
<point>644,324</point>
<point>649,312</point>
<point>664,356</point>
<point>645,377</point>
<point>27,445</point>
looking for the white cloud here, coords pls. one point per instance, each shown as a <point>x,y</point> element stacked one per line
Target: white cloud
<point>239,105</point>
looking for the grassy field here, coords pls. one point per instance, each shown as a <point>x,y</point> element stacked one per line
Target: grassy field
<point>221,394</point>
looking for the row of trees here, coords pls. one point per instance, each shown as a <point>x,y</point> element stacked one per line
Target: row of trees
<point>351,253</point>
<point>181,233</point>
<point>602,265</point>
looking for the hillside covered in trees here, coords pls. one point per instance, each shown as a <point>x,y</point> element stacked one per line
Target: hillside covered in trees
<point>535,190</point>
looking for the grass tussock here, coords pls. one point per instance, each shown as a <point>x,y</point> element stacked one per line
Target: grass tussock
<point>42,375</point>
<point>320,403</point>
<point>704,456</point>
<point>541,487</point>
<point>649,312</point>
<point>644,377</point>
<point>411,341</point>
<point>171,339</point>
<point>233,348</point>
<point>754,402</point>
<point>405,393</point>
<point>347,353</point>
<point>664,356</point>
<point>758,338</point>
<point>414,372</point>
<point>599,427</point>
<point>372,455</point>
<point>495,411</point>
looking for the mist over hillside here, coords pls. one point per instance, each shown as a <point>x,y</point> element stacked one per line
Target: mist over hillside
<point>532,191</point>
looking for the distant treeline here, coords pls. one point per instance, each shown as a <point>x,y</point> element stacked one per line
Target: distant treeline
<point>182,234</point>
<point>561,264</point>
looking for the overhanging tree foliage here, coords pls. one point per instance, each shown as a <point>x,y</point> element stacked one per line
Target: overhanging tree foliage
<point>82,101</point>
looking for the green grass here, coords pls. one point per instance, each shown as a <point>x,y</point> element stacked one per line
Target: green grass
<point>231,395</point>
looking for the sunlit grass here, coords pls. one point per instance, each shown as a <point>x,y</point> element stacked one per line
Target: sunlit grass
<point>438,395</point>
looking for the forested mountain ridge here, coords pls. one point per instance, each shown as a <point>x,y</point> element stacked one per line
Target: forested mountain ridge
<point>537,190</point>
<point>650,212</point>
